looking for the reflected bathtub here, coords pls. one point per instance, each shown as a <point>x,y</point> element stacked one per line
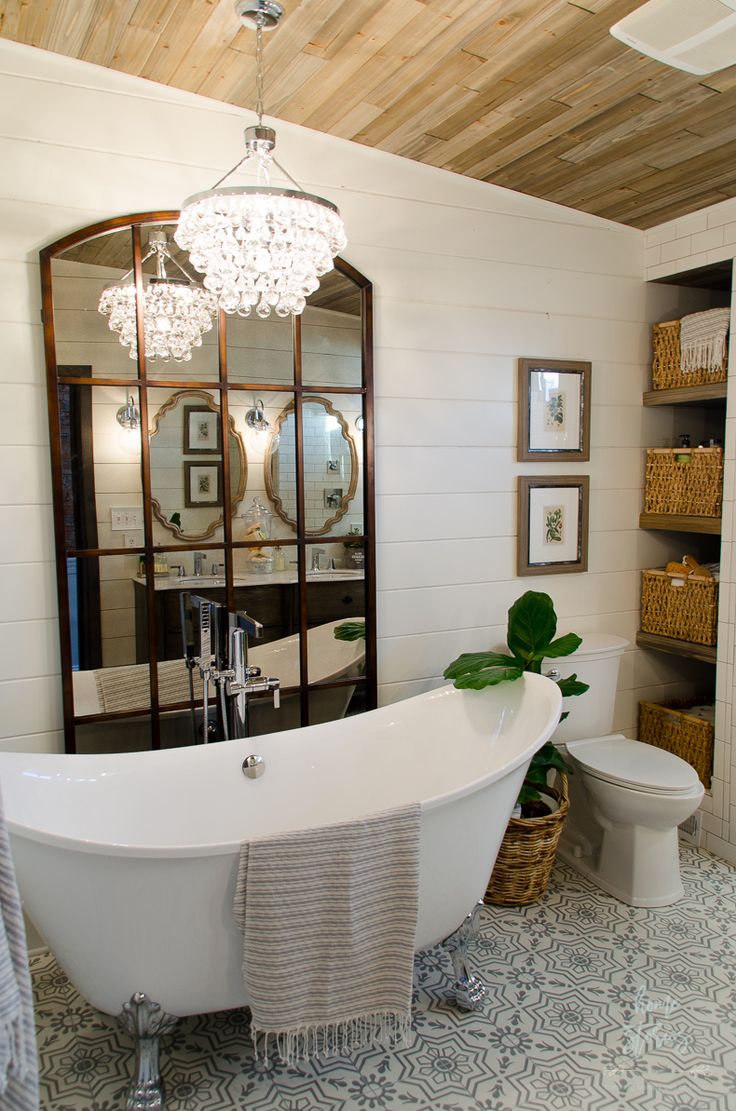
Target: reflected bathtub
<point>329,659</point>
<point>127,862</point>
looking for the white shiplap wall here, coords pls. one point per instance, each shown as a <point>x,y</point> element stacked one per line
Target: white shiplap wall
<point>467,278</point>
<point>705,237</point>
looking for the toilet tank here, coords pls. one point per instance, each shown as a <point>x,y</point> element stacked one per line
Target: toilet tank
<point>596,663</point>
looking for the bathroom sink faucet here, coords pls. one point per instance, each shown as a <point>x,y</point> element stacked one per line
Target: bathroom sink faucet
<point>199,558</point>
<point>316,553</point>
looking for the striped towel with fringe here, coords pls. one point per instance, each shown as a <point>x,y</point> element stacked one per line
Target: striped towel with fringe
<point>329,920</point>
<point>703,339</point>
<point>18,1061</point>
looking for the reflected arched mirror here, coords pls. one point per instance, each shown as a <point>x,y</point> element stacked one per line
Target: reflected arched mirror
<point>186,453</point>
<point>330,465</point>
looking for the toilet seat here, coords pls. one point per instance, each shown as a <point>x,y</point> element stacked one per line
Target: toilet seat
<point>635,765</point>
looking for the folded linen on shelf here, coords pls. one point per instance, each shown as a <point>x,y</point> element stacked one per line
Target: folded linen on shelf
<point>703,339</point>
<point>329,921</point>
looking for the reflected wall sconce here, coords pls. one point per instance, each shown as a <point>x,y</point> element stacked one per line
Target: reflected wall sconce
<point>255,419</point>
<point>128,416</point>
<point>260,247</point>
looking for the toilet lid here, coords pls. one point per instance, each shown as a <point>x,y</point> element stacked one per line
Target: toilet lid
<point>635,764</point>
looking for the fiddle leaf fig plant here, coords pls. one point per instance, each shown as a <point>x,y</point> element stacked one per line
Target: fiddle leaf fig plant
<point>530,638</point>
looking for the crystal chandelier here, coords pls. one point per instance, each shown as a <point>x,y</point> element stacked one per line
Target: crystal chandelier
<point>176,311</point>
<point>260,247</point>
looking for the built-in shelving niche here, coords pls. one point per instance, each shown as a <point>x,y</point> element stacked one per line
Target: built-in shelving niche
<point>700,410</point>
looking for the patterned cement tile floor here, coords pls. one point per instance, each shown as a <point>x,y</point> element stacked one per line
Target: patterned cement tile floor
<point>593,1005</point>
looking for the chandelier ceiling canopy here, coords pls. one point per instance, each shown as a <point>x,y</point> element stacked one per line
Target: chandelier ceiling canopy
<point>260,247</point>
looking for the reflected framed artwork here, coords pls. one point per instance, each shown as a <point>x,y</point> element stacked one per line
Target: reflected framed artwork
<point>552,524</point>
<point>201,430</point>
<point>554,411</point>
<point>202,484</point>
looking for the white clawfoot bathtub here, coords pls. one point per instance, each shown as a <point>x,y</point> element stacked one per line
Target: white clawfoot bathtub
<point>127,862</point>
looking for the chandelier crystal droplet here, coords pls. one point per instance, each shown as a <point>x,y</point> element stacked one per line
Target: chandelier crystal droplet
<point>261,248</point>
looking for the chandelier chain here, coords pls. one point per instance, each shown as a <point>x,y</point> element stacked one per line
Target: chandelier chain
<point>259,70</point>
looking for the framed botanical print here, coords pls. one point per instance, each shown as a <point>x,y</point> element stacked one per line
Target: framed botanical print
<point>554,411</point>
<point>202,484</point>
<point>552,524</point>
<point>201,430</point>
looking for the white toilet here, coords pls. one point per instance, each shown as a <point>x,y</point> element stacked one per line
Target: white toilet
<point>626,798</point>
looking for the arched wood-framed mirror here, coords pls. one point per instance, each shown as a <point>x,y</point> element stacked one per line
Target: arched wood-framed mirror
<point>134,508</point>
<point>328,449</point>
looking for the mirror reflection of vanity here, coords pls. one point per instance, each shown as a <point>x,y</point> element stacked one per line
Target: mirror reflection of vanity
<point>144,513</point>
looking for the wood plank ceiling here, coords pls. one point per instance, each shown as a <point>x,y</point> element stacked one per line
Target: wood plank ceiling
<point>534,95</point>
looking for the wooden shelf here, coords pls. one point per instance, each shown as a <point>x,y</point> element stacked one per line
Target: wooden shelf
<point>710,393</point>
<point>678,522</point>
<point>704,652</point>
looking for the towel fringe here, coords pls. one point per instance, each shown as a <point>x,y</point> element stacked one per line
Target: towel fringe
<point>392,1029</point>
<point>704,354</point>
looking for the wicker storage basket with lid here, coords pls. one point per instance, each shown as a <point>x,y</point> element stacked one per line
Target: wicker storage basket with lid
<point>527,854</point>
<point>667,372</point>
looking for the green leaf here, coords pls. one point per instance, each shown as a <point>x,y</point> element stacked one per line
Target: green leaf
<point>572,686</point>
<point>477,680</point>
<point>563,646</point>
<point>350,630</point>
<point>471,662</point>
<point>527,794</point>
<point>532,626</point>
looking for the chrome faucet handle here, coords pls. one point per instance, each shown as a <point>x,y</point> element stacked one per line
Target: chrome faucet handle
<point>249,625</point>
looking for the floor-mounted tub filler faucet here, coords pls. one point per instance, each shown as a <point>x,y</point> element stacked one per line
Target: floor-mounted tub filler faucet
<point>215,643</point>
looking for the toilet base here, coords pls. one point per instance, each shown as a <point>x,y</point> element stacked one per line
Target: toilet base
<point>638,867</point>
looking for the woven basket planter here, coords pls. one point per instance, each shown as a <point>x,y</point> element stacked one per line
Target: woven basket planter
<point>682,608</point>
<point>675,730</point>
<point>527,855</point>
<point>666,369</point>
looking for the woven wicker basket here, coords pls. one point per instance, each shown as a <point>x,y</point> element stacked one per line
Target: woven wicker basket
<point>683,608</point>
<point>679,480</point>
<point>674,729</point>
<point>666,370</point>
<point>527,855</point>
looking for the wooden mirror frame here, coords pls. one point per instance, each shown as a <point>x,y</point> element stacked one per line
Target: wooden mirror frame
<point>268,479</point>
<point>137,226</point>
<point>235,499</point>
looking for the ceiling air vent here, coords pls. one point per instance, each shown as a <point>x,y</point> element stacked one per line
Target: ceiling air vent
<point>698,36</point>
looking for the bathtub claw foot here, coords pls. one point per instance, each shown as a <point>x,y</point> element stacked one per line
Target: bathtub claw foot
<point>470,991</point>
<point>146,1022</point>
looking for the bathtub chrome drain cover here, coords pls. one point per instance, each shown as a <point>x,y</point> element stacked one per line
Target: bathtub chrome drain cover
<point>253,766</point>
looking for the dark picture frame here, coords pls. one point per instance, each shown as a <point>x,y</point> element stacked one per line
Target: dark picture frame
<point>202,484</point>
<point>554,410</point>
<point>202,430</point>
<point>552,519</point>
